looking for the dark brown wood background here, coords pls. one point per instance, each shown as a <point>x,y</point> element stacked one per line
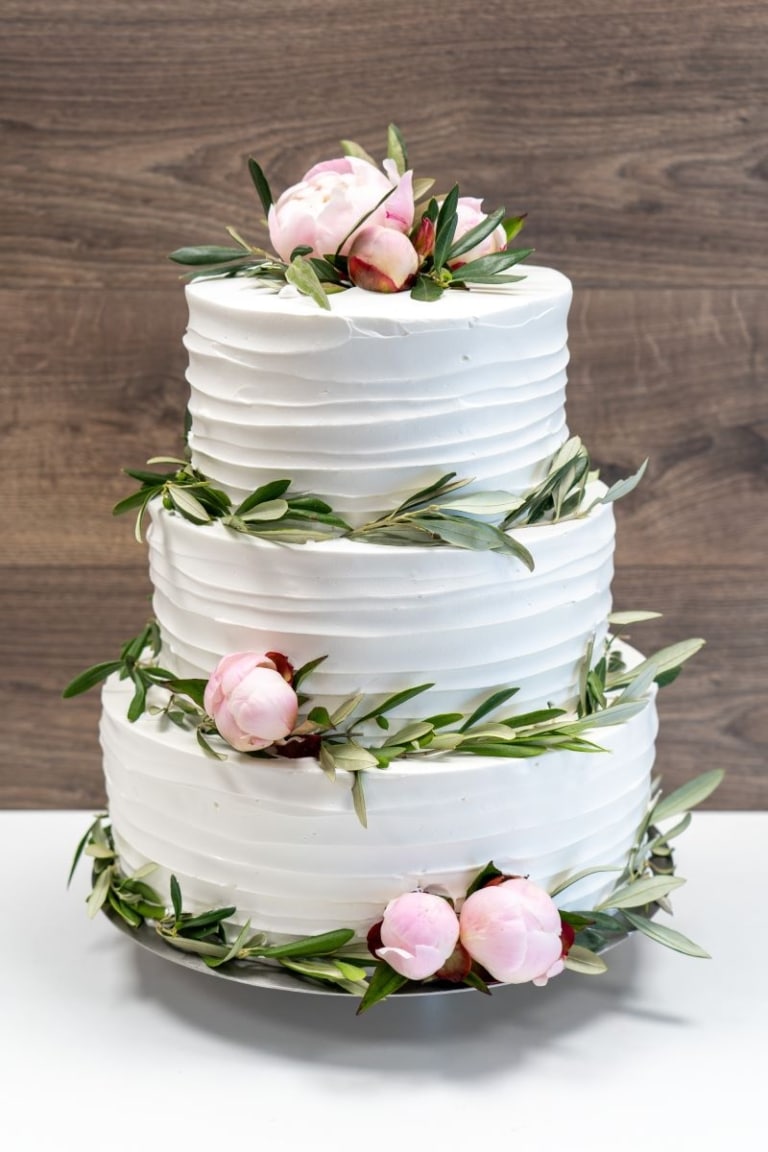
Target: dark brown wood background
<point>633,133</point>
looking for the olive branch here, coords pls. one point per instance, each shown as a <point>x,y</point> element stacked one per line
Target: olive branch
<point>610,693</point>
<point>443,513</point>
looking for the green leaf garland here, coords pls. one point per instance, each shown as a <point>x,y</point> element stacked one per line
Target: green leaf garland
<point>336,959</point>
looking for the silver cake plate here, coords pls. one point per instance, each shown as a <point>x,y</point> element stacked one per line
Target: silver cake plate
<point>274,978</point>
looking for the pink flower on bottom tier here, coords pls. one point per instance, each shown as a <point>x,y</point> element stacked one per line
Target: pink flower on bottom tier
<point>513,929</point>
<point>322,210</point>
<point>469,213</point>
<point>418,933</point>
<point>382,260</point>
<point>250,701</point>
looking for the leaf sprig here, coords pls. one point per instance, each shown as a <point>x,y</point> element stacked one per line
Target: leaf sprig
<point>325,957</point>
<point>648,879</point>
<point>267,512</point>
<point>442,267</point>
<point>611,694</point>
<point>442,513</point>
<point>610,674</point>
<point>436,515</point>
<point>137,662</point>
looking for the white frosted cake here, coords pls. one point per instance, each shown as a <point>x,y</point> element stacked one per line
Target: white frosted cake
<point>376,399</point>
<point>380,731</point>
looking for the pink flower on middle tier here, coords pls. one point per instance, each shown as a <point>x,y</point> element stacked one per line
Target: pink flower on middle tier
<point>250,701</point>
<point>322,210</point>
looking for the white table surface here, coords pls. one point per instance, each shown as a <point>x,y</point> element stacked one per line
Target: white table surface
<point>107,1047</point>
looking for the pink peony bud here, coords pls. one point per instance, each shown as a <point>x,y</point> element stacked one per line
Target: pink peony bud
<point>250,701</point>
<point>418,934</point>
<point>382,260</point>
<point>513,929</point>
<point>321,211</point>
<point>424,237</point>
<point>469,214</point>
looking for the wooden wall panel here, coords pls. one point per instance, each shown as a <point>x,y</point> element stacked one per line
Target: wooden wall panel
<point>634,135</point>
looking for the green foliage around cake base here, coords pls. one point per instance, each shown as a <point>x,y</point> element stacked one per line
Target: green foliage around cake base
<point>338,962</point>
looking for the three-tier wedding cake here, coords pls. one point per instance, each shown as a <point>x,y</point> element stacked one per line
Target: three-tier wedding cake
<point>382,656</point>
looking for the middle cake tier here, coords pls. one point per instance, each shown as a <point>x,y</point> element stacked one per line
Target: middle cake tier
<point>388,618</point>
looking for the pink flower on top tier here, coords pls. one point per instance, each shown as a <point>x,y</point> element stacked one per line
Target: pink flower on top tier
<point>468,210</point>
<point>382,260</point>
<point>322,210</point>
<point>250,700</point>
<point>513,929</point>
<point>418,934</point>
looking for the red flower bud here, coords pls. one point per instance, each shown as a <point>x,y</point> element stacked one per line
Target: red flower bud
<point>299,746</point>
<point>567,936</point>
<point>423,238</point>
<point>282,665</point>
<point>457,967</point>
<point>373,938</point>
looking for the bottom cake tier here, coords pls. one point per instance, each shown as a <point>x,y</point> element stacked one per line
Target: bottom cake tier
<point>280,841</point>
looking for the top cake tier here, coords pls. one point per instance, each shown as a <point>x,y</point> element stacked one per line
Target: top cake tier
<point>381,396</point>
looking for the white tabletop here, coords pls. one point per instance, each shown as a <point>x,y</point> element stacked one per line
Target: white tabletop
<point>107,1047</point>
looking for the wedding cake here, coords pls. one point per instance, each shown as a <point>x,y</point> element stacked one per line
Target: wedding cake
<point>380,489</point>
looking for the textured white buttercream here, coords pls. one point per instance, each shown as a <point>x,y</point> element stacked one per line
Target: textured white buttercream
<point>388,618</point>
<point>364,405</point>
<point>382,395</point>
<point>281,842</point>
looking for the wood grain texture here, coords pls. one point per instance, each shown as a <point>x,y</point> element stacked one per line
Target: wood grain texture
<point>634,135</point>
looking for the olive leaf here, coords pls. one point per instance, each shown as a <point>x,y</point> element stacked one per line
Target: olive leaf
<point>90,678</point>
<point>205,254</point>
<point>410,734</point>
<point>623,618</point>
<point>491,265</point>
<point>426,289</point>
<point>665,935</point>
<point>445,227</point>
<point>261,184</point>
<point>263,495</point>
<point>688,795</point>
<point>644,891</point>
<point>624,487</point>
<point>483,877</point>
<point>512,225</point>
<point>350,757</point>
<point>396,149</point>
<point>302,275</point>
<point>495,700</point>
<point>382,983</point>
<point>666,660</point>
<point>475,235</point>
<point>358,799</point>
<point>351,148</point>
